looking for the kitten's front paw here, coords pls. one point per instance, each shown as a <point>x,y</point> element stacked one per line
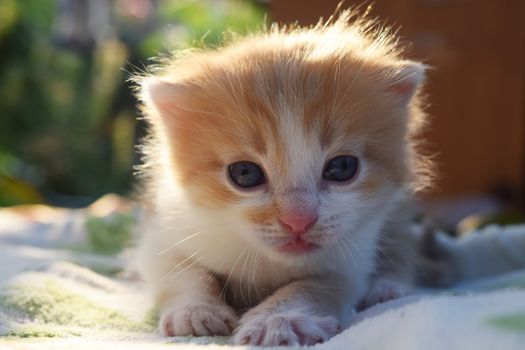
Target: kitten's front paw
<point>290,328</point>
<point>197,320</point>
<point>383,290</point>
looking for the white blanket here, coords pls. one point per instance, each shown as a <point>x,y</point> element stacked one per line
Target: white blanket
<point>58,290</point>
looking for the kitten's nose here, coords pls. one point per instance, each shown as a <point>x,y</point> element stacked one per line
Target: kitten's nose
<point>298,223</point>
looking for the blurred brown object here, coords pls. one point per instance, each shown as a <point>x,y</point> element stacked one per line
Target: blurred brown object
<point>476,91</point>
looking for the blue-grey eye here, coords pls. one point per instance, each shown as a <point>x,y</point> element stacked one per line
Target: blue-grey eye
<point>341,168</point>
<point>246,174</point>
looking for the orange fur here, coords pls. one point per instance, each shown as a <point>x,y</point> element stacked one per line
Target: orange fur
<point>333,81</point>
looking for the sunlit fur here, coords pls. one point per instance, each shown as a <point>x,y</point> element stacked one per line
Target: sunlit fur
<point>288,100</point>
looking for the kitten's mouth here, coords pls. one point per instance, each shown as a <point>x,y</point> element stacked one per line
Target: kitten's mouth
<point>298,246</point>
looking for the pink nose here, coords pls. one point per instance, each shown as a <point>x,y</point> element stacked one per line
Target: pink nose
<point>298,223</point>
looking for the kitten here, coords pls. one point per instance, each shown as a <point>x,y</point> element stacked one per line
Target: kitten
<point>277,166</point>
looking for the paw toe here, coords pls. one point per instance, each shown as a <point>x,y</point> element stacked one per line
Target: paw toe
<point>198,320</point>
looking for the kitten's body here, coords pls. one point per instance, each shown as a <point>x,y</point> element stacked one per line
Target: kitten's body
<point>486,252</point>
<point>289,101</point>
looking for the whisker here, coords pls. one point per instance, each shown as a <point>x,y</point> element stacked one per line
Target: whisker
<point>224,288</point>
<point>343,244</point>
<point>187,267</point>
<point>256,261</point>
<point>211,278</point>
<point>242,276</point>
<point>179,264</point>
<point>177,243</point>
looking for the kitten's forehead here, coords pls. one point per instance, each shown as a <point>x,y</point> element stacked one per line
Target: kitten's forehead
<point>287,115</point>
<point>283,113</point>
<point>299,153</point>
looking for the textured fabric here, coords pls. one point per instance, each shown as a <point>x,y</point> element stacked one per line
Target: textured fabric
<point>63,286</point>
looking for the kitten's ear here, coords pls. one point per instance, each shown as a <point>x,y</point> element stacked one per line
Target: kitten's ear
<point>160,95</point>
<point>405,79</point>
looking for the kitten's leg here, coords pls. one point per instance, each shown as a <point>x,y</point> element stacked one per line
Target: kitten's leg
<point>190,304</point>
<point>383,289</point>
<point>397,261</point>
<point>304,312</point>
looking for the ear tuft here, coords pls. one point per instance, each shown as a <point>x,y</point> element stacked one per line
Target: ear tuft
<point>406,79</point>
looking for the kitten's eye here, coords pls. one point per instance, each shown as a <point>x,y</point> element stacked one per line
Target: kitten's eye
<point>341,168</point>
<point>246,174</point>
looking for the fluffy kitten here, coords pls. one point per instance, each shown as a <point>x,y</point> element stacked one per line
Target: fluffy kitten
<point>277,166</point>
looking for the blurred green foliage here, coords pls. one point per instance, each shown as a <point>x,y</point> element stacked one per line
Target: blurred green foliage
<point>67,116</point>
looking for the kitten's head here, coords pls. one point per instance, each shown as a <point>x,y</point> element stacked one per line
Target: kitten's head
<point>300,139</point>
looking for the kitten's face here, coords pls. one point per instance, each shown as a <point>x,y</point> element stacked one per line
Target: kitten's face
<point>299,156</point>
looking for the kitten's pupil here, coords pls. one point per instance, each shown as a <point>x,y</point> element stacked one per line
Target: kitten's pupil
<point>246,174</point>
<point>341,168</point>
